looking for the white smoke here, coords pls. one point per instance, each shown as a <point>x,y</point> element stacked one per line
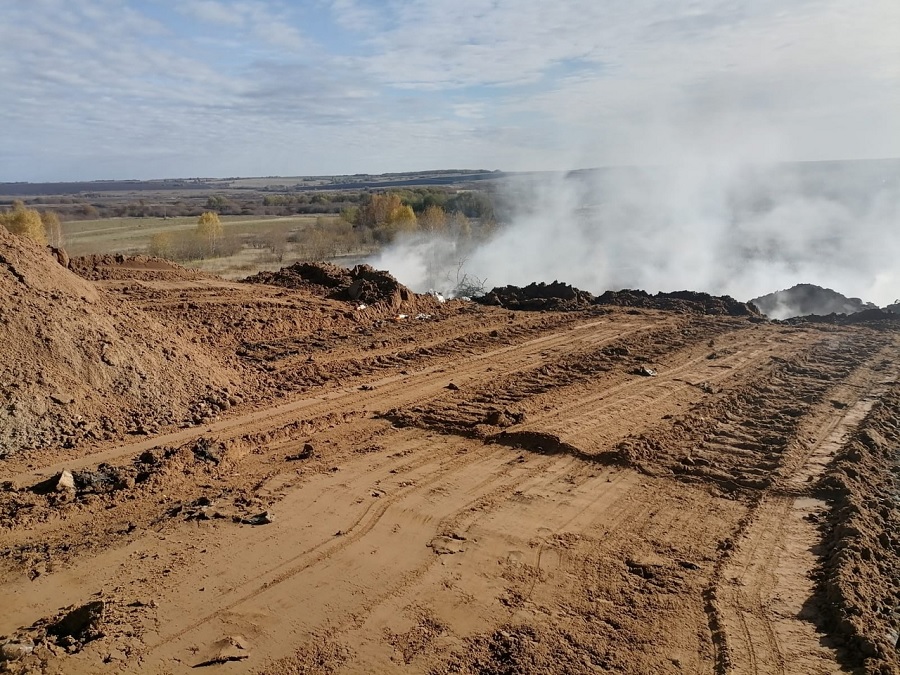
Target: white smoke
<point>720,228</point>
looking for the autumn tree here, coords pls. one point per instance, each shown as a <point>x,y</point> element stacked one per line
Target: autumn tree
<point>387,216</point>
<point>52,228</point>
<point>209,228</point>
<point>162,245</point>
<point>25,223</point>
<point>433,219</point>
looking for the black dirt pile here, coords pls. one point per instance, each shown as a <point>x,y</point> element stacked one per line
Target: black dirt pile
<point>362,284</point>
<point>874,318</point>
<point>81,365</point>
<point>538,296</point>
<point>121,267</point>
<point>860,574</point>
<point>688,302</point>
<point>806,299</point>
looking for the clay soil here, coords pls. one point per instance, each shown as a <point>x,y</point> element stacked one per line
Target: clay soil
<point>468,489</point>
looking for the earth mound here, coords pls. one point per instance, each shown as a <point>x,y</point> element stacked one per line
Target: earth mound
<point>78,364</point>
<point>680,301</point>
<point>871,317</point>
<point>538,296</point>
<point>363,283</point>
<point>807,299</point>
<point>122,267</point>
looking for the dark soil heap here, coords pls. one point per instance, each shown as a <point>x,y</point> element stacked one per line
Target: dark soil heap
<point>874,318</point>
<point>363,283</point>
<point>538,296</point>
<point>806,299</point>
<point>680,301</point>
<point>77,364</point>
<point>121,267</point>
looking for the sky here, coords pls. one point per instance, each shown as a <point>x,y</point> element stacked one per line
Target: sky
<point>99,89</point>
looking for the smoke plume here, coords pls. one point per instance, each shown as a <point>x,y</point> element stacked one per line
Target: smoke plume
<point>742,230</point>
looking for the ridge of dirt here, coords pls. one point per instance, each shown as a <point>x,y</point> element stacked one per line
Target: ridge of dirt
<point>556,296</point>
<point>679,301</point>
<point>78,366</point>
<point>874,318</point>
<point>490,410</point>
<point>106,267</point>
<point>861,560</point>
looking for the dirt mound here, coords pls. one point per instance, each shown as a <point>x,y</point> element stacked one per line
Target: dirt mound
<point>121,267</point>
<point>538,296</point>
<point>862,544</point>
<point>362,284</point>
<point>679,301</point>
<point>79,365</point>
<point>871,317</point>
<point>805,299</point>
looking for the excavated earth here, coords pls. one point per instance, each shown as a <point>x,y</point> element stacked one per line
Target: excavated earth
<point>293,480</point>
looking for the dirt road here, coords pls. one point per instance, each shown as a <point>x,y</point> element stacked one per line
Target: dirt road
<point>596,492</point>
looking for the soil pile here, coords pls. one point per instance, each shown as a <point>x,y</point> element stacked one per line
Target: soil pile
<point>362,284</point>
<point>862,541</point>
<point>680,301</point>
<point>121,267</point>
<point>806,299</point>
<point>79,365</point>
<point>870,317</point>
<point>538,296</point>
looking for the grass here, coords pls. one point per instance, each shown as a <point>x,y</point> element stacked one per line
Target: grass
<point>131,236</point>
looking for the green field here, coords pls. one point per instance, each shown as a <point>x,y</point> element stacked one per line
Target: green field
<point>266,243</point>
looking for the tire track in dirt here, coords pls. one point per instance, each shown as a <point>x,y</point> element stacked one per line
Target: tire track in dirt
<point>765,582</point>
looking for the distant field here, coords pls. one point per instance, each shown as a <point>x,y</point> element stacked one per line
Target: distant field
<point>132,235</point>
<point>299,236</point>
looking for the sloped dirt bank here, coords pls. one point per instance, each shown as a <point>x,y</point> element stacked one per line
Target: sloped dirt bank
<point>78,365</point>
<point>860,573</point>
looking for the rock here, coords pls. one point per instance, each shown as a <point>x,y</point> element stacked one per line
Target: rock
<point>264,518</point>
<point>62,398</point>
<point>65,482</point>
<point>644,371</point>
<point>452,387</point>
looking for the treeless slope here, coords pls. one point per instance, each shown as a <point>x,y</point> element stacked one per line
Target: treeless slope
<point>78,364</point>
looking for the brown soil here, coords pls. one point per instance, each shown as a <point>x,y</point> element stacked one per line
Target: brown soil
<point>468,489</point>
<point>106,267</point>
<point>79,366</point>
<point>860,574</point>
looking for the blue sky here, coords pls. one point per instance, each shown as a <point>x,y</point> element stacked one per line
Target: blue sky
<point>157,88</point>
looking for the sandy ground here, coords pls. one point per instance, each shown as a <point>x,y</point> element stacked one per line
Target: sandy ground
<point>478,492</point>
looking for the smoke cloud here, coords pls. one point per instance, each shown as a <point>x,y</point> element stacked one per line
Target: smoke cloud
<point>743,230</point>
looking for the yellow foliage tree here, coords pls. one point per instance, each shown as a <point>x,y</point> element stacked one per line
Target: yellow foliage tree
<point>24,222</point>
<point>52,227</point>
<point>209,227</point>
<point>162,245</point>
<point>433,219</point>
